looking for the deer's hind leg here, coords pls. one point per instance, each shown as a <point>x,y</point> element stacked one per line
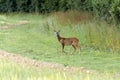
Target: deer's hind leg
<point>74,48</point>
<point>79,47</point>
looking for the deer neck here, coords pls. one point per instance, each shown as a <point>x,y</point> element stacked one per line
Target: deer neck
<point>59,37</point>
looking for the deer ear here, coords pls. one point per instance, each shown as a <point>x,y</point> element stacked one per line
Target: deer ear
<point>54,30</point>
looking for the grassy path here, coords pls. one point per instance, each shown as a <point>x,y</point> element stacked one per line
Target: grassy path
<point>26,61</point>
<point>19,23</point>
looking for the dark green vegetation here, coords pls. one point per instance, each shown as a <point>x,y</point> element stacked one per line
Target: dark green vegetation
<point>107,9</point>
<point>37,40</point>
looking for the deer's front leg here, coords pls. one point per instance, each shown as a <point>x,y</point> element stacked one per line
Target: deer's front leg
<point>63,48</point>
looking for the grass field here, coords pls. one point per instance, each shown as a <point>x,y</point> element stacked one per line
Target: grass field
<point>14,71</point>
<point>37,40</point>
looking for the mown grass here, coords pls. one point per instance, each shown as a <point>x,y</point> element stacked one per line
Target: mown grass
<point>16,71</point>
<point>37,40</point>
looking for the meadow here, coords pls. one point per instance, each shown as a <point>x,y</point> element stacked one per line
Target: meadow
<point>14,71</point>
<point>100,42</point>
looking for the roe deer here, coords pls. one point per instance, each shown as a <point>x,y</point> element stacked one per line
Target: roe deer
<point>68,42</point>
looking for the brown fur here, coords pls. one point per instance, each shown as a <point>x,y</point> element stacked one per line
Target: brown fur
<point>67,42</point>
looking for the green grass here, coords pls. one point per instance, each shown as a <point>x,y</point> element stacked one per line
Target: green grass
<point>37,40</point>
<point>13,71</point>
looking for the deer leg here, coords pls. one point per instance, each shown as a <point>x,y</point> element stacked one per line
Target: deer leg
<point>79,48</point>
<point>63,48</point>
<point>74,49</point>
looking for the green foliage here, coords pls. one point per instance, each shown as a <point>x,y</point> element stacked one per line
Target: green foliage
<point>100,8</point>
<point>115,10</point>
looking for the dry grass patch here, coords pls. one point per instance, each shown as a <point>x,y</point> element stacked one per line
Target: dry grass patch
<point>72,17</point>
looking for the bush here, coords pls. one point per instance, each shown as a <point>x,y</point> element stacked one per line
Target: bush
<point>115,11</point>
<point>100,8</point>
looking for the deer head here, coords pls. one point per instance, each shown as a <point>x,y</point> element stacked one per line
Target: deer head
<point>57,32</point>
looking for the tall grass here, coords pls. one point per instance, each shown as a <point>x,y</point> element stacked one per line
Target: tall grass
<point>102,36</point>
<point>96,33</point>
<point>14,71</point>
<point>72,17</point>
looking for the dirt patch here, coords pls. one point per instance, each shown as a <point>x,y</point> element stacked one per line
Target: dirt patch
<point>39,64</point>
<point>22,22</point>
